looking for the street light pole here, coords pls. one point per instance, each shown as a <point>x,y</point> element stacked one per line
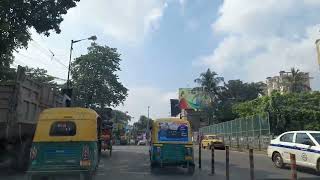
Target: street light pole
<point>69,67</point>
<point>93,38</point>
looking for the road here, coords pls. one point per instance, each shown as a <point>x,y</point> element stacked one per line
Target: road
<point>132,163</point>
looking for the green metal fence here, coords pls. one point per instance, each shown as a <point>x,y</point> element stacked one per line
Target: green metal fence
<point>250,131</point>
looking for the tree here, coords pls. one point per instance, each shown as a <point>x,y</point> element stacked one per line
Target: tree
<point>36,74</point>
<point>291,111</point>
<point>239,91</point>
<point>120,117</point>
<point>209,83</point>
<point>141,125</point>
<point>94,78</point>
<point>233,92</point>
<point>40,75</point>
<point>19,16</point>
<point>296,81</point>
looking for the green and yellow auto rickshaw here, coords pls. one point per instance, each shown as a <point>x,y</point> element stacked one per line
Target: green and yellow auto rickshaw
<point>171,144</point>
<point>66,141</point>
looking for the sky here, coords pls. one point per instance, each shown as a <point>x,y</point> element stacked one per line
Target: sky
<point>166,44</point>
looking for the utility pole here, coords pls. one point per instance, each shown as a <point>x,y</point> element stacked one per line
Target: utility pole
<point>148,126</point>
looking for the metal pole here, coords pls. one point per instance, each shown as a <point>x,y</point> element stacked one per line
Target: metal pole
<point>200,140</point>
<point>212,159</point>
<point>293,167</point>
<point>259,143</point>
<point>251,164</point>
<point>148,125</point>
<point>69,68</point>
<point>227,162</point>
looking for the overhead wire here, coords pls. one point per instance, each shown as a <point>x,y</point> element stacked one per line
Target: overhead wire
<point>55,77</point>
<point>45,52</point>
<point>53,54</point>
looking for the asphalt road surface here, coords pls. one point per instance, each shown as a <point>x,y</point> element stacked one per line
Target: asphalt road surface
<point>132,163</point>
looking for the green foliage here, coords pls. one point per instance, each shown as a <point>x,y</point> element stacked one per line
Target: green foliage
<point>36,74</point>
<point>209,83</point>
<point>239,91</point>
<point>40,75</point>
<point>94,78</point>
<point>296,81</point>
<point>235,91</point>
<point>141,125</point>
<point>6,73</point>
<point>291,111</point>
<point>19,16</point>
<point>120,117</point>
<point>222,98</point>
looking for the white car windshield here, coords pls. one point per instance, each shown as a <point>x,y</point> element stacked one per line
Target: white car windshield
<point>316,136</point>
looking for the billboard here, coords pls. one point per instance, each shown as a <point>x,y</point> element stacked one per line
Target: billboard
<point>191,99</point>
<point>175,108</point>
<point>173,131</point>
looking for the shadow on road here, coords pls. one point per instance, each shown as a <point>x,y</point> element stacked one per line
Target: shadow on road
<point>304,170</point>
<point>106,154</point>
<point>9,172</point>
<point>170,171</point>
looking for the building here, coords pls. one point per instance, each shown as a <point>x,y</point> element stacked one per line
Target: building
<point>278,83</point>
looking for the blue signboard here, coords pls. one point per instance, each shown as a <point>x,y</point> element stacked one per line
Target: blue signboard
<point>172,131</point>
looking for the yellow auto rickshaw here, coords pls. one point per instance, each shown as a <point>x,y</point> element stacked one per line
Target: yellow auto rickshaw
<point>171,144</point>
<point>67,140</point>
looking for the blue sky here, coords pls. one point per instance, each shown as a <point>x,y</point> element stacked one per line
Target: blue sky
<point>166,44</point>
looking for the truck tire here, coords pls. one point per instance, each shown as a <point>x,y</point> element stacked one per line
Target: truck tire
<point>23,155</point>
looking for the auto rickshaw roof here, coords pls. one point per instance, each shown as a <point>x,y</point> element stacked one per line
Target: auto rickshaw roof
<point>171,120</point>
<point>68,113</point>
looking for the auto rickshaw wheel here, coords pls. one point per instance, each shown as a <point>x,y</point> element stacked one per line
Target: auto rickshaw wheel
<point>87,176</point>
<point>22,155</point>
<point>110,153</point>
<point>153,167</point>
<point>191,170</point>
<point>39,177</point>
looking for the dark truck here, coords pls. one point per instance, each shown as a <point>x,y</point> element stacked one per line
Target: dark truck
<point>21,101</point>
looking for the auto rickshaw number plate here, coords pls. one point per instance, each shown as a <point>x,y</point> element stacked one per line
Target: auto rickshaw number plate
<point>85,163</point>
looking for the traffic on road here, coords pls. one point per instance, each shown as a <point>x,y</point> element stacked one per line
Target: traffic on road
<point>132,162</point>
<point>159,89</point>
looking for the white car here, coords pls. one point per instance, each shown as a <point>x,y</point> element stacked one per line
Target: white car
<point>304,144</point>
<point>142,142</point>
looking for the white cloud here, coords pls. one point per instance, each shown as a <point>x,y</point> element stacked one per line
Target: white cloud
<point>40,54</point>
<point>141,97</point>
<point>263,37</point>
<point>127,21</point>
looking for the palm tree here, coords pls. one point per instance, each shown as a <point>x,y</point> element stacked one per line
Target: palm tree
<point>209,87</point>
<point>296,82</point>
